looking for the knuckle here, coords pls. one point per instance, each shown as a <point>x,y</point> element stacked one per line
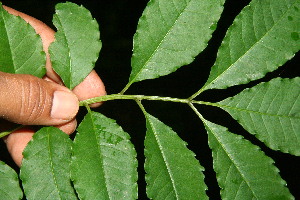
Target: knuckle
<point>35,101</point>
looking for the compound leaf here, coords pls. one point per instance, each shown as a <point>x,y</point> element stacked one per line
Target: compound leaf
<point>172,170</point>
<point>21,49</point>
<point>271,112</point>
<point>77,43</point>
<point>263,37</point>
<point>9,183</point>
<point>170,34</point>
<point>243,170</point>
<point>45,170</point>
<point>104,164</point>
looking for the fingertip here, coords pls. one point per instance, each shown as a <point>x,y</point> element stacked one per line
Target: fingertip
<point>65,105</point>
<point>69,127</point>
<point>92,86</point>
<point>16,143</point>
<point>95,105</point>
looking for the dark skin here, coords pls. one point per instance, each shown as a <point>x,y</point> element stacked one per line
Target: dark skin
<point>28,100</point>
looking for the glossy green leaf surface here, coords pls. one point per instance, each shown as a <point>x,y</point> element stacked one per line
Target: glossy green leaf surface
<point>170,34</point>
<point>172,170</point>
<point>270,111</point>
<point>262,38</point>
<point>104,164</point>
<point>243,170</point>
<point>21,49</point>
<point>45,170</point>
<point>9,183</point>
<point>77,43</point>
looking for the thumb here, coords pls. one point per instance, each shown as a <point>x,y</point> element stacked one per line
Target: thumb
<point>28,100</point>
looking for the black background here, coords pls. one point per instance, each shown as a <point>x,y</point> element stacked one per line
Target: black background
<point>118,20</point>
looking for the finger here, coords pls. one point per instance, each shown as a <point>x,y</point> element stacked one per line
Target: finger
<point>26,99</point>
<point>68,127</point>
<point>16,143</point>
<point>92,86</point>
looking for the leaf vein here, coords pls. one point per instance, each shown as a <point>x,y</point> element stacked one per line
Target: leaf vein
<point>7,36</point>
<point>100,154</point>
<point>233,162</point>
<point>256,112</point>
<point>52,166</point>
<point>250,49</point>
<point>69,50</point>
<point>165,159</point>
<point>160,43</point>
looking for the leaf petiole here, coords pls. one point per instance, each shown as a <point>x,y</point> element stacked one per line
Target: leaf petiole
<point>5,133</point>
<point>196,111</point>
<point>197,93</point>
<point>126,87</point>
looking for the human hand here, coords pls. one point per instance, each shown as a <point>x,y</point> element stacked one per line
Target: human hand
<point>28,100</point>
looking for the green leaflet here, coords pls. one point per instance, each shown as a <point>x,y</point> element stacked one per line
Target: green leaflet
<point>45,170</point>
<point>104,164</point>
<point>21,49</point>
<point>172,170</point>
<point>170,34</point>
<point>262,38</point>
<point>271,112</point>
<point>9,183</point>
<point>77,43</point>
<point>243,170</point>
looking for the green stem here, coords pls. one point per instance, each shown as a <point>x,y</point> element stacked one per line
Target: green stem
<point>198,114</point>
<point>141,107</point>
<point>196,94</point>
<point>132,97</point>
<point>137,98</point>
<point>208,103</point>
<point>196,111</point>
<point>143,97</point>
<point>126,88</point>
<point>5,133</point>
<point>88,108</point>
